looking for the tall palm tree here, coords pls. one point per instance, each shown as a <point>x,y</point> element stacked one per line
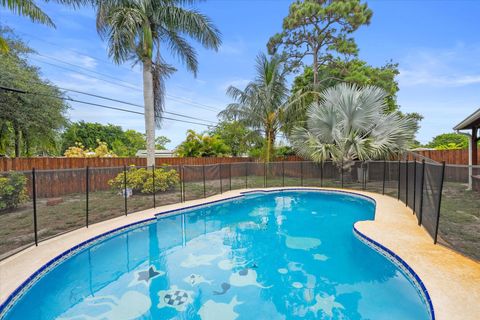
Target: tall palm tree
<point>261,104</point>
<point>349,123</point>
<point>136,29</point>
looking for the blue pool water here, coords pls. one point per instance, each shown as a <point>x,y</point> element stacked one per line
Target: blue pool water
<point>283,255</point>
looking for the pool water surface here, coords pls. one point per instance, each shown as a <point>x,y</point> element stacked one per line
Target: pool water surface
<point>279,255</point>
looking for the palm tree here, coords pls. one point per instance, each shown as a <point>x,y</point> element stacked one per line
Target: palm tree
<point>29,9</point>
<point>261,104</point>
<point>136,29</point>
<point>349,123</point>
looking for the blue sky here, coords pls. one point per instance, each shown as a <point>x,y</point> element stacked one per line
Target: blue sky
<point>436,44</point>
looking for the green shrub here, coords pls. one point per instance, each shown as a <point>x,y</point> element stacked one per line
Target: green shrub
<point>140,180</point>
<point>13,190</point>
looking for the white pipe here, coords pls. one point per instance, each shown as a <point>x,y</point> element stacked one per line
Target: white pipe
<point>470,166</point>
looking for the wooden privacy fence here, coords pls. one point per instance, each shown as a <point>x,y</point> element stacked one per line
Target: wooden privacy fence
<point>50,163</point>
<point>449,156</point>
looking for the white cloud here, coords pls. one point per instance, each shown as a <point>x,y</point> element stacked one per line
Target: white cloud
<point>239,83</point>
<point>236,47</point>
<point>455,67</point>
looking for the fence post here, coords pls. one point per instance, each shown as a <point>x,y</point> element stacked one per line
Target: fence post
<point>183,183</point>
<point>265,174</point>
<point>283,173</point>
<point>439,203</point>
<point>414,184</point>
<point>341,172</point>
<point>34,195</point>
<point>220,174</point>
<point>421,193</point>
<point>406,182</point>
<point>321,174</point>
<point>153,178</point>
<point>230,176</point>
<point>399,174</point>
<point>301,173</point>
<point>384,175</point>
<point>87,191</point>
<point>204,187</point>
<point>364,173</point>
<point>125,188</point>
<point>246,175</point>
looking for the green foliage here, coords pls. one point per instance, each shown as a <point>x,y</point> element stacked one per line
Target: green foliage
<point>140,180</point>
<point>13,191</point>
<point>79,151</point>
<point>236,136</point>
<point>161,142</point>
<point>349,124</point>
<point>320,29</point>
<point>284,151</point>
<point>202,145</point>
<point>261,105</point>
<point>29,123</point>
<point>354,71</point>
<point>448,141</point>
<point>122,143</point>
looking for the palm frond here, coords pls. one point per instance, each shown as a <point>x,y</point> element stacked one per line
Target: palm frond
<point>29,9</point>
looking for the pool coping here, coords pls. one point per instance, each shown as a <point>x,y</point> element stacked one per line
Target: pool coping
<point>148,216</point>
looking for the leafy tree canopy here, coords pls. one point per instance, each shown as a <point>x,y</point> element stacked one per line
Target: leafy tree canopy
<point>29,123</point>
<point>447,141</point>
<point>122,143</point>
<point>202,145</point>
<point>319,29</point>
<point>236,136</point>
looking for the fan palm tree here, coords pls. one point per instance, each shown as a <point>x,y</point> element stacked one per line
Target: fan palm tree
<point>261,104</point>
<point>137,29</point>
<point>349,123</point>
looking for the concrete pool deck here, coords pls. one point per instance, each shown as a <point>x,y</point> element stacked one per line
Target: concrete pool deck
<point>452,280</point>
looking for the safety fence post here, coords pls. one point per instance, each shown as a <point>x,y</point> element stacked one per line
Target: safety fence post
<point>399,174</point>
<point>204,187</point>
<point>406,182</point>
<point>230,176</point>
<point>420,215</point>
<point>246,175</point>
<point>341,172</point>
<point>153,182</point>
<point>34,195</point>
<point>265,175</point>
<point>301,173</point>
<point>125,188</point>
<point>283,173</point>
<point>439,202</point>
<point>220,173</point>
<point>87,191</point>
<point>384,175</point>
<point>321,174</point>
<point>183,183</point>
<point>414,184</point>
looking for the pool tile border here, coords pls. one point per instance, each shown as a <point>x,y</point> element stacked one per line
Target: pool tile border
<point>390,255</point>
<point>402,265</point>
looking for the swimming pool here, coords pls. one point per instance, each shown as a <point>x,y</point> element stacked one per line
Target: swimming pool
<point>277,255</point>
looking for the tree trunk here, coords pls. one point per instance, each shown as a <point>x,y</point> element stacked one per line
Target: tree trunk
<point>149,111</point>
<point>16,132</point>
<point>315,69</point>
<point>270,144</point>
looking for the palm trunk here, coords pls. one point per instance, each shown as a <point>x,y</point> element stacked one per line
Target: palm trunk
<point>16,132</point>
<point>149,111</point>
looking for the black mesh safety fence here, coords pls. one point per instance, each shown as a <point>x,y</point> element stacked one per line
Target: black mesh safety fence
<point>432,193</point>
<point>354,175</point>
<point>239,175</point>
<point>293,173</point>
<point>311,174</point>
<point>375,176</point>
<point>410,181</point>
<point>166,185</point>
<point>459,226</point>
<point>107,192</point>
<point>275,174</point>
<point>194,182</point>
<point>402,181</point>
<point>17,229</point>
<point>256,172</point>
<point>69,199</point>
<point>60,201</point>
<point>213,180</point>
<point>332,175</point>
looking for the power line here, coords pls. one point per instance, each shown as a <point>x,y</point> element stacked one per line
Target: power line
<point>127,85</point>
<point>123,102</point>
<point>19,91</point>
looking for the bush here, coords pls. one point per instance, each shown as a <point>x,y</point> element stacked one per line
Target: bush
<point>13,190</point>
<point>140,180</point>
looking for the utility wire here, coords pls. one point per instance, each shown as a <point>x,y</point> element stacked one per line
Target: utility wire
<point>126,85</point>
<point>121,101</point>
<point>19,91</point>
